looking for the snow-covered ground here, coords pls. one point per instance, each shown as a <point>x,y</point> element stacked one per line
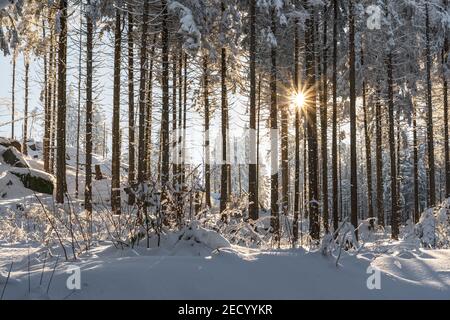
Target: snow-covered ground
<point>230,273</point>
<point>195,262</point>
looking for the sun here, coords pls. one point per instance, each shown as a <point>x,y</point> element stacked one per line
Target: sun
<point>299,99</point>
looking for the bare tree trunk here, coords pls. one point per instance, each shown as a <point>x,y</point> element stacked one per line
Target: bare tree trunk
<point>142,165</point>
<point>13,94</point>
<point>274,206</point>
<point>131,124</point>
<point>445,53</point>
<point>89,107</point>
<point>430,132</point>
<point>334,151</point>
<point>311,117</point>
<point>116,136</point>
<point>25,112</point>
<point>324,122</point>
<point>62,101</point>
<point>207,142</point>
<point>47,104</point>
<point>174,118</point>
<point>165,99</point>
<point>252,168</point>
<point>353,154</point>
<point>379,160</point>
<point>224,188</point>
<point>368,146</point>
<point>415,164</point>
<point>149,112</point>
<point>297,137</point>
<point>77,160</point>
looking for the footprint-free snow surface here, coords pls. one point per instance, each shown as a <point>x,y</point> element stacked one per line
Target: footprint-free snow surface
<point>228,273</point>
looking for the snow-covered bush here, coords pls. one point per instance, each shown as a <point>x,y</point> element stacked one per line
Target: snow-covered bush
<point>433,228</point>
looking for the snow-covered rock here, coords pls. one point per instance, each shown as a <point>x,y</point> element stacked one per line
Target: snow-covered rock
<point>35,180</point>
<point>14,158</point>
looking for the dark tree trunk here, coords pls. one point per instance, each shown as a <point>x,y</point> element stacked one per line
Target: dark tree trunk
<point>430,132</point>
<point>274,206</point>
<point>131,128</point>
<point>47,104</point>
<point>77,160</point>
<point>224,188</point>
<point>207,142</point>
<point>445,53</point>
<point>13,94</point>
<point>252,169</point>
<point>415,164</point>
<point>297,137</point>
<point>311,116</point>
<point>25,112</point>
<point>368,146</point>
<point>142,152</point>
<point>334,151</point>
<point>116,136</point>
<point>324,122</point>
<point>353,154</point>
<point>165,143</point>
<point>61,127</point>
<point>89,107</point>
<point>379,159</point>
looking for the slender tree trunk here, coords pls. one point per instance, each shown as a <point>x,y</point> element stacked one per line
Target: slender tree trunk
<point>311,116</point>
<point>116,136</point>
<point>415,164</point>
<point>174,119</point>
<point>165,99</point>
<point>89,107</point>
<point>430,132</point>
<point>297,137</point>
<point>275,218</point>
<point>207,143</point>
<point>252,169</point>
<point>149,111</point>
<point>368,145</point>
<point>224,188</point>
<point>62,100</point>
<point>47,104</point>
<point>131,128</point>
<point>25,112</point>
<point>445,53</point>
<point>77,158</point>
<point>334,151</point>
<point>324,122</point>
<point>13,93</point>
<point>353,154</point>
<point>379,159</point>
<point>142,164</point>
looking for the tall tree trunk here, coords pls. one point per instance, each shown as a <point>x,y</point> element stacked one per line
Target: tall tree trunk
<point>165,99</point>
<point>334,151</point>
<point>297,137</point>
<point>116,136</point>
<point>275,219</point>
<point>149,110</point>
<point>47,104</point>
<point>25,112</point>
<point>415,163</point>
<point>207,142</point>
<point>445,53</point>
<point>174,119</point>
<point>131,128</point>
<point>353,154</point>
<point>430,132</point>
<point>62,101</point>
<point>89,107</point>
<point>13,93</point>
<point>224,188</point>
<point>379,159</point>
<point>368,145</point>
<point>77,158</point>
<point>252,168</point>
<point>324,121</point>
<point>142,164</point>
<point>311,116</point>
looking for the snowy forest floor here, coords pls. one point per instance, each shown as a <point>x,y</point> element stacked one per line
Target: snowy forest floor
<point>196,262</point>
